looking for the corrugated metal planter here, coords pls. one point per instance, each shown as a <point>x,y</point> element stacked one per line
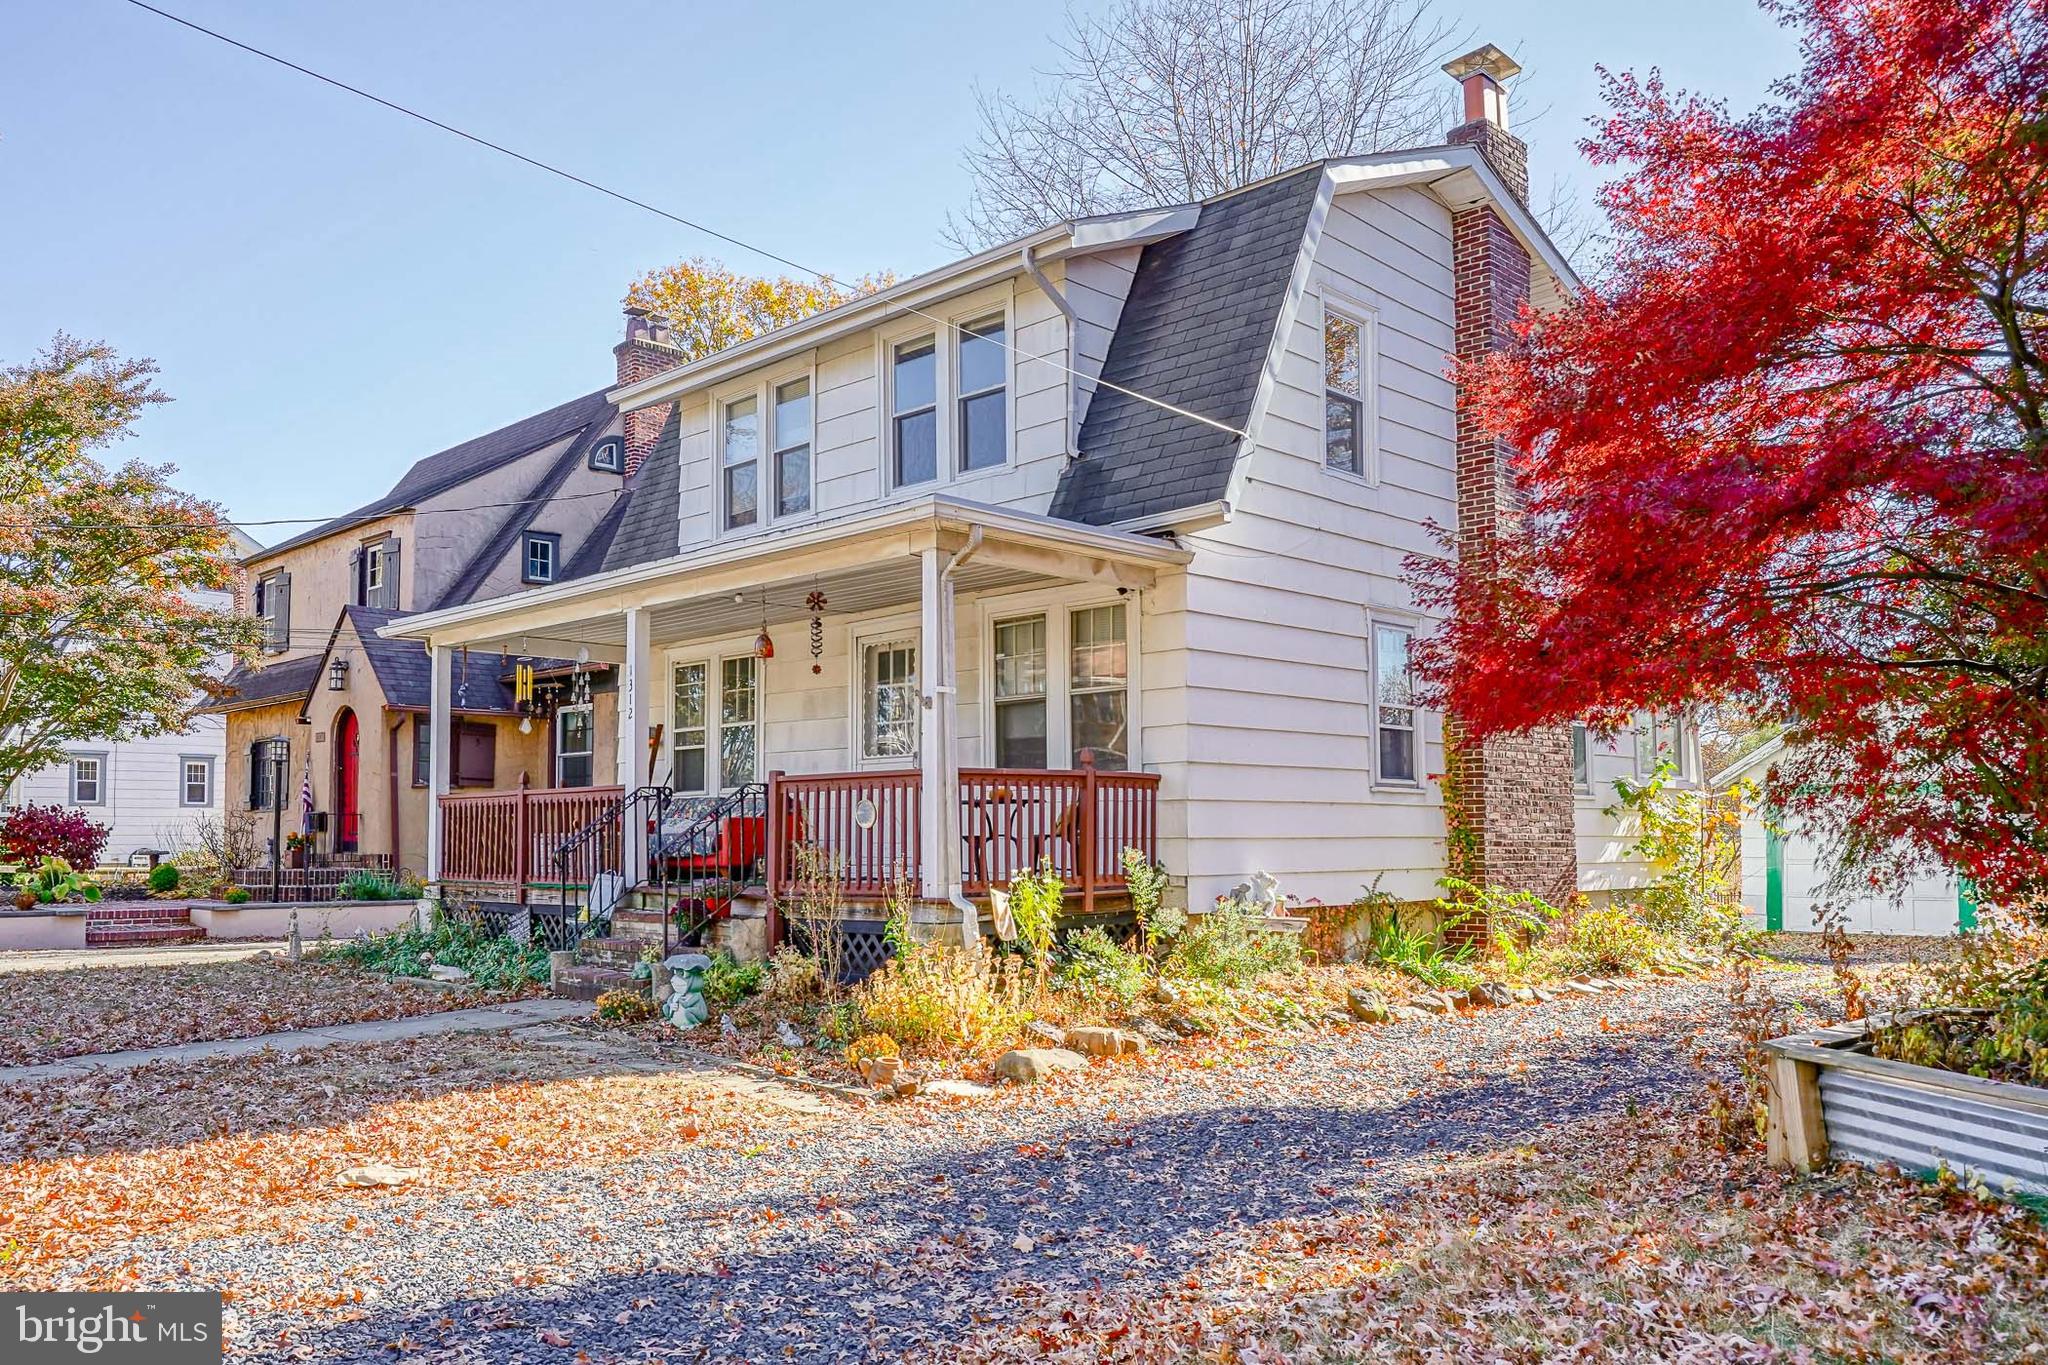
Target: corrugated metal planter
<point>1830,1100</point>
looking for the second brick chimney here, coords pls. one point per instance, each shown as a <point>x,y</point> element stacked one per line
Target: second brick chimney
<point>1483,75</point>
<point>647,351</point>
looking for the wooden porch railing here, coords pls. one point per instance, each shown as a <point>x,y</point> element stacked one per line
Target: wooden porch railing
<point>1011,819</point>
<point>508,838</point>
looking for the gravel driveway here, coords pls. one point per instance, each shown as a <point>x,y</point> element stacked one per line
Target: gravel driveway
<point>890,1232</point>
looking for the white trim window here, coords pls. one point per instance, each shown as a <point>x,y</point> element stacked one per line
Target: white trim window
<point>1661,735</point>
<point>1396,739</point>
<point>889,703</point>
<point>88,779</point>
<point>740,461</point>
<point>1021,686</point>
<point>792,455</point>
<point>1582,758</point>
<point>1099,685</point>
<point>542,558</point>
<point>739,721</point>
<point>914,412</point>
<point>575,745</point>
<point>981,364</point>
<point>715,738</point>
<point>195,780</point>
<point>1348,408</point>
<point>688,734</point>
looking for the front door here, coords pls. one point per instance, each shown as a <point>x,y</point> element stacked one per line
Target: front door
<point>347,758</point>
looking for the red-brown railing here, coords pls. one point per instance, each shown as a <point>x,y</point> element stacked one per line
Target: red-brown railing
<point>509,838</point>
<point>1011,819</point>
<point>866,823</point>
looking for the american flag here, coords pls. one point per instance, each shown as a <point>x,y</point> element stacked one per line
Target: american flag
<point>306,800</point>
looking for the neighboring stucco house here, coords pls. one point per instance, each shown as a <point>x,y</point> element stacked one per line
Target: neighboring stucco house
<point>494,515</point>
<point>1786,873</point>
<point>1092,539</point>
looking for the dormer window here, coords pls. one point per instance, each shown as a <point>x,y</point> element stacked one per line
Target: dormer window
<point>609,455</point>
<point>542,560</point>
<point>914,389</point>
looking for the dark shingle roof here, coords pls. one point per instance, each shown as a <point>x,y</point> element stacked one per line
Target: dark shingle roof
<point>266,684</point>
<point>440,472</point>
<point>1195,331</point>
<point>516,519</point>
<point>590,555</point>
<point>649,528</point>
<point>407,676</point>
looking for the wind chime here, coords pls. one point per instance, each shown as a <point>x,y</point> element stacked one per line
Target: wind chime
<point>815,604</point>
<point>522,695</point>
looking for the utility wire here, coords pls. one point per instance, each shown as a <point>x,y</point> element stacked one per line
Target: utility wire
<point>624,198</point>
<point>287,521</point>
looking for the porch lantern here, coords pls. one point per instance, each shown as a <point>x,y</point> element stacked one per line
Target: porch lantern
<point>764,647</point>
<point>337,675</point>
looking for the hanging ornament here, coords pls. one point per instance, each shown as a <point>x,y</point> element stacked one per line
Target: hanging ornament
<point>764,647</point>
<point>815,604</point>
<point>462,688</point>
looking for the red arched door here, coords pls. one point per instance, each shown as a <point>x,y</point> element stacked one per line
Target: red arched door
<point>348,747</point>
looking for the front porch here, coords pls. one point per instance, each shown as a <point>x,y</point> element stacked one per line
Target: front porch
<point>923,700</point>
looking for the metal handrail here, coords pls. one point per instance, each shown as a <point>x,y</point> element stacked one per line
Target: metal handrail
<point>750,799</point>
<point>612,817</point>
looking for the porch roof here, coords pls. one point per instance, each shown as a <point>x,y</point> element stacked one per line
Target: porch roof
<point>861,561</point>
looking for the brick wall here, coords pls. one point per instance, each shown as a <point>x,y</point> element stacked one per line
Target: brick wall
<point>1506,153</point>
<point>1511,795</point>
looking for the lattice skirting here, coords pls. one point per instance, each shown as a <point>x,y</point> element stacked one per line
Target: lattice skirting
<point>862,947</point>
<point>551,926</point>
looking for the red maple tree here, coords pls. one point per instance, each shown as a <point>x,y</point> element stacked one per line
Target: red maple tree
<point>1793,447</point>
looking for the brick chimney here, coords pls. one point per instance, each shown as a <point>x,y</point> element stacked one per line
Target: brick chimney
<point>1482,75</point>
<point>647,351</point>
<point>1511,809</point>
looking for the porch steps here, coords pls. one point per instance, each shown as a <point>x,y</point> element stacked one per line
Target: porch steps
<point>585,981</point>
<point>126,925</point>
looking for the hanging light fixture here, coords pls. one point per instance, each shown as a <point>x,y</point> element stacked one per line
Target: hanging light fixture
<point>337,675</point>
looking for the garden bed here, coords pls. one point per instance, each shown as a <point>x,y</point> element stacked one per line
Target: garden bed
<point>1831,1099</point>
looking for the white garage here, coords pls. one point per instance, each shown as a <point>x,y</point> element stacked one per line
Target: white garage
<point>1784,878</point>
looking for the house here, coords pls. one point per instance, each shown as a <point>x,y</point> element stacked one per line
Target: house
<point>492,516</point>
<point>1786,874</point>
<point>1089,541</point>
<point>153,793</point>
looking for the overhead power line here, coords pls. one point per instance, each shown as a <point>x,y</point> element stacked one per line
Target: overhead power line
<point>62,525</point>
<point>621,196</point>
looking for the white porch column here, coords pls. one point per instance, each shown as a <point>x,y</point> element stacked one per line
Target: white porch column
<point>636,714</point>
<point>939,765</point>
<point>439,717</point>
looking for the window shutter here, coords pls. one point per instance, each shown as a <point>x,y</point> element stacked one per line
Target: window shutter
<point>387,596</point>
<point>256,775</point>
<point>281,613</point>
<point>358,577</point>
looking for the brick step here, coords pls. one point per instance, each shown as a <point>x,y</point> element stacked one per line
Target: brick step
<point>584,982</point>
<point>133,933</point>
<point>612,951</point>
<point>104,914</point>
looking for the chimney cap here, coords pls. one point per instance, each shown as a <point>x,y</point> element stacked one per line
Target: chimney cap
<point>1485,61</point>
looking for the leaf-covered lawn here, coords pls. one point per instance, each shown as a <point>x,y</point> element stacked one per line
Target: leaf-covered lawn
<point>53,1015</point>
<point>249,1144</point>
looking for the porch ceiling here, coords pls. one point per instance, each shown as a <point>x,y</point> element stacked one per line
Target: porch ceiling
<point>863,564</point>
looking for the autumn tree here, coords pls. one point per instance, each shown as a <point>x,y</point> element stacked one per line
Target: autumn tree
<point>101,637</point>
<point>1168,101</point>
<point>710,307</point>
<point>1793,450</point>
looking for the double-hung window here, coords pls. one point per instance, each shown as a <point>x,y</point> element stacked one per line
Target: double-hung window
<point>717,738</point>
<point>740,462</point>
<point>1660,738</point>
<point>542,558</point>
<point>573,746</point>
<point>793,447</point>
<point>1099,685</point>
<point>1582,758</point>
<point>88,780</point>
<point>914,405</point>
<point>1020,693</point>
<point>1393,706</point>
<point>1345,434</point>
<point>888,701</point>
<point>195,781</point>
<point>982,366</point>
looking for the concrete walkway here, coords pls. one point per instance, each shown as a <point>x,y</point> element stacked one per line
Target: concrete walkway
<point>488,1019</point>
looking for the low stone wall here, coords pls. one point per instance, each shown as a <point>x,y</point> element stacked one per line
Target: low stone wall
<point>331,919</point>
<point>59,926</point>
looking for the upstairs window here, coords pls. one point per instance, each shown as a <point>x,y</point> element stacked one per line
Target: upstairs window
<point>1393,705</point>
<point>984,414</point>
<point>914,393</point>
<point>274,610</point>
<point>1345,433</point>
<point>542,559</point>
<point>793,448</point>
<point>740,462</point>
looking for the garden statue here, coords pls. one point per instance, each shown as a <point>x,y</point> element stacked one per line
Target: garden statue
<point>686,1006</point>
<point>1261,891</point>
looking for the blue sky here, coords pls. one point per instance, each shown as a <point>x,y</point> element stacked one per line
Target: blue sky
<point>333,291</point>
